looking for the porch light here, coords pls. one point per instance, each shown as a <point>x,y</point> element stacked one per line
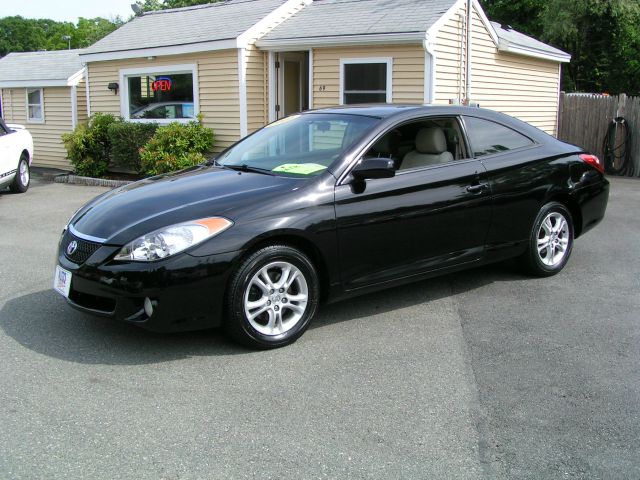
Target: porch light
<point>113,86</point>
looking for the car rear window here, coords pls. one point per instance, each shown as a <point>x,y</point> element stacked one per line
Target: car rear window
<point>487,137</point>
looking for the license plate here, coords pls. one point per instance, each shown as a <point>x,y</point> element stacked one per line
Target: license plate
<point>62,281</point>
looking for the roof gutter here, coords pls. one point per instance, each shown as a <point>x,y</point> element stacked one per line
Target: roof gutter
<point>509,47</point>
<point>304,43</point>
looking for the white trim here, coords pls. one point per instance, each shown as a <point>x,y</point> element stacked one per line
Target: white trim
<point>468,52</point>
<point>74,107</point>
<point>429,76</point>
<point>272,87</point>
<point>349,61</point>
<point>1,103</point>
<point>305,43</point>
<point>76,78</point>
<point>310,69</point>
<point>508,47</point>
<point>159,51</point>
<point>168,69</point>
<point>33,83</point>
<point>242,91</point>
<point>272,20</point>
<point>487,23</point>
<point>26,100</point>
<point>86,90</point>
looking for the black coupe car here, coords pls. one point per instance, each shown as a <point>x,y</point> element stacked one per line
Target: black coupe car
<point>324,205</point>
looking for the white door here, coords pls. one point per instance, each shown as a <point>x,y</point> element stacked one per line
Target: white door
<point>291,78</point>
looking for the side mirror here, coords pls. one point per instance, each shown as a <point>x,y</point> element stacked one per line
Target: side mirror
<point>374,168</point>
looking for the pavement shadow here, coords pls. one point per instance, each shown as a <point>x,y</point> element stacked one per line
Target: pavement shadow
<point>42,322</point>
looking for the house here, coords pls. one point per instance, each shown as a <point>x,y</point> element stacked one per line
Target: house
<point>243,63</point>
<point>45,91</point>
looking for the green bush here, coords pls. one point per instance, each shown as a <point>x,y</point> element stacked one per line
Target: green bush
<point>176,146</point>
<point>127,138</point>
<point>88,146</point>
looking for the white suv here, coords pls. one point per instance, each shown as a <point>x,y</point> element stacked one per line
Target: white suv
<point>16,152</point>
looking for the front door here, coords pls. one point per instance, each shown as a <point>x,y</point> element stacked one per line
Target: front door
<point>292,83</point>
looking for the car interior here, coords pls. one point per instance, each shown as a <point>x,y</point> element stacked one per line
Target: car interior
<point>421,144</point>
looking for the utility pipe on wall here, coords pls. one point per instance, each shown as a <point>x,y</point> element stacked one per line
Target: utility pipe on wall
<point>467,89</point>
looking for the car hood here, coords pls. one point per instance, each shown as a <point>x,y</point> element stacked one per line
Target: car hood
<point>125,213</point>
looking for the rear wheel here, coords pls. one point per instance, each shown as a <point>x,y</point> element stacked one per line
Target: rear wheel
<point>551,241</point>
<point>22,179</point>
<point>272,297</point>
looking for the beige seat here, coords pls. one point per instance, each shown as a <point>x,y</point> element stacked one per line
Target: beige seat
<point>431,149</point>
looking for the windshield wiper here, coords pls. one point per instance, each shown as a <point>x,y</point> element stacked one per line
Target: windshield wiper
<point>246,168</point>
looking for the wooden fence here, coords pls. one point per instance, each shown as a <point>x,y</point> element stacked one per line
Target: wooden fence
<point>584,120</point>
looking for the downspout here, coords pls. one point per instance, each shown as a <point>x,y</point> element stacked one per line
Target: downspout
<point>429,70</point>
<point>467,89</point>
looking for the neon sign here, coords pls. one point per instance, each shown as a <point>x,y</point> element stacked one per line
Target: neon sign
<point>162,84</point>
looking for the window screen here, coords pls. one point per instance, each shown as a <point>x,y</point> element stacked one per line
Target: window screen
<point>488,137</point>
<point>365,83</point>
<point>35,106</point>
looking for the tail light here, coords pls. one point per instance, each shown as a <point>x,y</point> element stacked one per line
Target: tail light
<point>593,161</point>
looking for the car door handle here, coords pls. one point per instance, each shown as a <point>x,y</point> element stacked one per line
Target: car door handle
<point>479,188</point>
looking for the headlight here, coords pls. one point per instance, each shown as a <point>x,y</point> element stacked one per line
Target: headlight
<point>173,239</point>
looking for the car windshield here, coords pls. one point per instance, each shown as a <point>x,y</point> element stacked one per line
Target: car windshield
<point>299,145</point>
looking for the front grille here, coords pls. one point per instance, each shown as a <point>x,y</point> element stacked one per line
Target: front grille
<point>83,250</point>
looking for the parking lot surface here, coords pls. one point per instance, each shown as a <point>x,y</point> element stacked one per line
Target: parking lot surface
<point>481,374</point>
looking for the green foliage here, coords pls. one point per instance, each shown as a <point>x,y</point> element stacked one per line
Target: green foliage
<point>176,146</point>
<point>603,38</point>
<point>150,5</point>
<point>18,34</point>
<point>127,138</point>
<point>88,146</point>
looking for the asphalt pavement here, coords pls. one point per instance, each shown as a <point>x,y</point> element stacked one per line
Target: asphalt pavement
<point>481,374</point>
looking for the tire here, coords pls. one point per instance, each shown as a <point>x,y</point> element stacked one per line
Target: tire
<point>550,241</point>
<point>263,313</point>
<point>22,179</point>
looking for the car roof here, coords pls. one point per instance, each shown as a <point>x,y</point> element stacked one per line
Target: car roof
<point>390,111</point>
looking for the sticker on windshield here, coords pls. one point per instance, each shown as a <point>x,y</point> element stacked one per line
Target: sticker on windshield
<point>300,168</point>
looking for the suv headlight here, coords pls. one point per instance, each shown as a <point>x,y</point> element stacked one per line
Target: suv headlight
<point>171,240</point>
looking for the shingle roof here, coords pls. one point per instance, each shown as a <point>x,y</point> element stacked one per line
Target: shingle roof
<point>521,40</point>
<point>324,18</point>
<point>189,25</point>
<point>39,68</point>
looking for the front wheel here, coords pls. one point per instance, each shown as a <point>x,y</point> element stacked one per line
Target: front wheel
<point>551,241</point>
<point>272,297</point>
<point>21,181</point>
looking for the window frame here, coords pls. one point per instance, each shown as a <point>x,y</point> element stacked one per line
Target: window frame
<point>125,73</point>
<point>41,105</point>
<point>367,60</point>
<point>471,148</point>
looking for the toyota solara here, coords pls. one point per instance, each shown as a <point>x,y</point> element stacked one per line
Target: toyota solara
<point>324,205</point>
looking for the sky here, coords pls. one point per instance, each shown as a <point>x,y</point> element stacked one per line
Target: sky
<point>66,10</point>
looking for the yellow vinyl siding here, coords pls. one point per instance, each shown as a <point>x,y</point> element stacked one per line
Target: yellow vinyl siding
<point>48,150</point>
<point>408,72</point>
<point>217,84</point>
<point>81,93</point>
<point>257,88</point>
<point>517,85</point>
<point>450,61</point>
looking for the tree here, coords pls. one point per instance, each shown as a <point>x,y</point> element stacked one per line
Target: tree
<point>150,5</point>
<point>18,34</point>
<point>602,36</point>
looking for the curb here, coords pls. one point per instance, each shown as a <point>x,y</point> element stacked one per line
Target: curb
<point>89,181</point>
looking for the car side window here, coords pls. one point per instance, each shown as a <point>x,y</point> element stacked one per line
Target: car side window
<point>421,143</point>
<point>487,137</point>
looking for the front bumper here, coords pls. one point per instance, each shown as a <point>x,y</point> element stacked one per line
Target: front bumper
<point>187,292</point>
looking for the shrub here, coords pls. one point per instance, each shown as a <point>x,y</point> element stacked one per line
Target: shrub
<point>127,138</point>
<point>176,146</point>
<point>88,146</point>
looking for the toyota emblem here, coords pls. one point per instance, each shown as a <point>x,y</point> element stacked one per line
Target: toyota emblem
<point>72,247</point>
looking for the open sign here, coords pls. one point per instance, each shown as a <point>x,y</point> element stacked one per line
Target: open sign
<point>162,84</point>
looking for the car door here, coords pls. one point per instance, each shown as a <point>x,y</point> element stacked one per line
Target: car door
<point>422,219</point>
<point>7,162</point>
